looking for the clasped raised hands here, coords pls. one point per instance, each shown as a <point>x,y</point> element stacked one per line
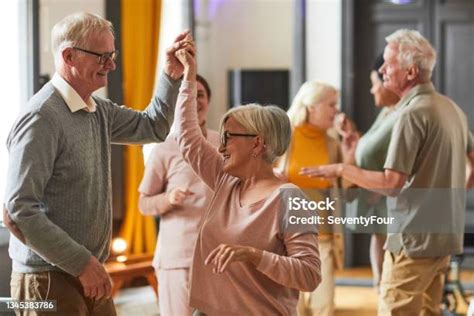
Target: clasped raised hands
<point>183,42</point>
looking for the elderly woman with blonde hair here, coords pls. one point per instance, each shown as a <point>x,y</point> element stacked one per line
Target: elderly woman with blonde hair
<point>312,115</point>
<point>246,261</point>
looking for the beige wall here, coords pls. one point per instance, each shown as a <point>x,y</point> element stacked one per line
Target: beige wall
<point>241,34</point>
<point>323,41</point>
<point>232,34</point>
<point>259,34</point>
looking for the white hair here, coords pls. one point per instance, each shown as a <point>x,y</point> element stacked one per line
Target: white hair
<point>270,122</point>
<point>76,30</point>
<point>311,92</point>
<point>414,49</point>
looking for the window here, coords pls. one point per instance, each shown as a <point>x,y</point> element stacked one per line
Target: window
<point>11,78</point>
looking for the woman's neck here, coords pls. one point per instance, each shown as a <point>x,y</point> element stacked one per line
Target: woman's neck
<point>263,177</point>
<point>315,125</point>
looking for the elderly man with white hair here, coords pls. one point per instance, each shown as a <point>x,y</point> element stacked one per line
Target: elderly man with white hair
<point>58,200</point>
<point>425,165</point>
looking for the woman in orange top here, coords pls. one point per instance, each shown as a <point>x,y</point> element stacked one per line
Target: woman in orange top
<point>312,114</point>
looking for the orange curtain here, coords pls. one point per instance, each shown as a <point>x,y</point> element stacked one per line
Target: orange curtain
<point>140,28</point>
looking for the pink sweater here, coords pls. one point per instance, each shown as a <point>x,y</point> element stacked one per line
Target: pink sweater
<point>290,261</point>
<point>165,171</point>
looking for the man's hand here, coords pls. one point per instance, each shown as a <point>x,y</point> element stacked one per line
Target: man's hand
<point>95,280</point>
<point>173,67</point>
<point>176,196</point>
<point>10,224</point>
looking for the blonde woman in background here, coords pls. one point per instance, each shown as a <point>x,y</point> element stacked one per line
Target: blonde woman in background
<point>312,115</point>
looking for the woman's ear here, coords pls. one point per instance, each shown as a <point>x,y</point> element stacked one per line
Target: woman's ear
<point>259,145</point>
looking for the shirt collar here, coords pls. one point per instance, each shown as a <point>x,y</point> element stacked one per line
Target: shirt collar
<point>416,90</point>
<point>71,97</point>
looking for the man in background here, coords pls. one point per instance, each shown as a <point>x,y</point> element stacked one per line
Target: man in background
<point>426,168</point>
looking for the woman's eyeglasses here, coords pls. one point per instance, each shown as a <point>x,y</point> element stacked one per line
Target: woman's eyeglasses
<point>226,134</point>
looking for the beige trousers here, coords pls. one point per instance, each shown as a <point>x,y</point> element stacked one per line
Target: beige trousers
<point>411,286</point>
<point>320,302</point>
<point>59,286</point>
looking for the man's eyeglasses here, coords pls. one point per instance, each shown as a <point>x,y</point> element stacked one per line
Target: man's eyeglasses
<point>102,57</point>
<point>226,134</point>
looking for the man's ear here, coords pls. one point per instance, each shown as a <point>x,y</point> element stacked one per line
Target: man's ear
<point>68,55</point>
<point>413,72</point>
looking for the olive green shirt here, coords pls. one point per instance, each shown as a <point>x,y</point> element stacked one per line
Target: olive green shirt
<point>429,144</point>
<point>370,154</point>
<point>372,148</point>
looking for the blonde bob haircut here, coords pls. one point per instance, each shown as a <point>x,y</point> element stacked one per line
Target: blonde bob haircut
<point>311,92</point>
<point>269,122</point>
<point>75,30</point>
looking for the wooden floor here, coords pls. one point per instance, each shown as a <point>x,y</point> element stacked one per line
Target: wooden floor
<point>362,301</point>
<point>355,301</point>
<point>350,300</point>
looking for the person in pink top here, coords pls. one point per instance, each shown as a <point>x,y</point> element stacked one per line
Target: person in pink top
<point>248,259</point>
<point>171,189</point>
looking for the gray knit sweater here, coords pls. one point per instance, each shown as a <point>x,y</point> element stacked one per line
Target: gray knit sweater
<point>59,175</point>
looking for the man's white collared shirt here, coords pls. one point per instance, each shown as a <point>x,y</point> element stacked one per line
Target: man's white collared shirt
<point>71,97</point>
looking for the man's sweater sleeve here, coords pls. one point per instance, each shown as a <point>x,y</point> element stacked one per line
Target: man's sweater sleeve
<point>33,148</point>
<point>151,125</point>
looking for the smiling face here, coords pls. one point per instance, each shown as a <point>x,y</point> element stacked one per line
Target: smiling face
<point>202,100</point>
<point>382,96</point>
<point>238,150</point>
<point>86,70</point>
<point>322,114</point>
<point>394,75</point>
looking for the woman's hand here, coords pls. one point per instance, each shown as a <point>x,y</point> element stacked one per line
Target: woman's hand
<point>223,255</point>
<point>344,125</point>
<point>349,146</point>
<point>280,175</point>
<point>350,137</point>
<point>326,171</point>
<point>187,59</point>
<point>177,196</point>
